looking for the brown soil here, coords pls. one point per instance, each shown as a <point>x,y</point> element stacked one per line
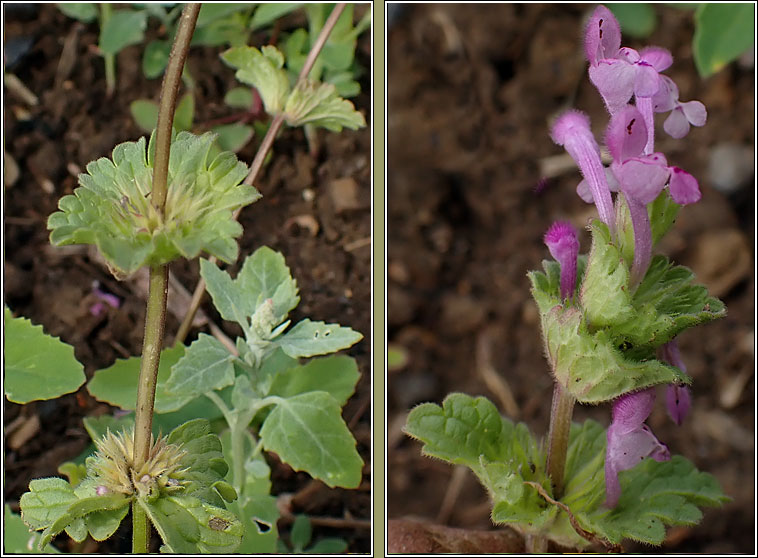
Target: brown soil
<point>471,91</point>
<point>316,211</point>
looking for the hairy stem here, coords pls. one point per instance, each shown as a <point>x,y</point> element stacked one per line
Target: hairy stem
<point>536,544</point>
<point>155,318</point>
<point>260,157</point>
<point>140,529</point>
<point>558,437</point>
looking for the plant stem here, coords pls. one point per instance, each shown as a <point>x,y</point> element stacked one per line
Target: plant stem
<point>260,157</point>
<point>140,529</point>
<point>558,437</point>
<point>536,544</point>
<point>110,60</point>
<point>155,318</point>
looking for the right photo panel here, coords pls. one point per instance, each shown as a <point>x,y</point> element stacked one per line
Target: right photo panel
<point>570,278</point>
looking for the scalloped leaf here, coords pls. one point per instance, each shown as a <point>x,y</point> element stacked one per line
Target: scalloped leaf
<point>591,366</point>
<point>308,433</point>
<point>203,459</point>
<point>188,525</point>
<point>263,69</point>
<point>336,375</point>
<point>318,104</point>
<point>37,366</point>
<point>310,338</point>
<point>663,305</point>
<point>470,431</point>
<point>112,207</point>
<point>653,494</point>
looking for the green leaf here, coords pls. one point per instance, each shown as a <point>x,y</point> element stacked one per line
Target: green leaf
<point>18,539</point>
<point>329,545</point>
<point>336,375</point>
<point>47,501</point>
<point>301,532</point>
<point>97,427</point>
<point>636,20</point>
<point>37,366</point>
<point>263,70</point>
<point>319,104</point>
<point>469,431</point>
<point>265,275</point>
<point>239,97</point>
<point>117,384</point>
<point>85,12</point>
<point>722,33</point>
<point>112,206</point>
<point>205,366</point>
<point>663,213</point>
<point>309,338</point>
<point>145,114</point>
<point>215,11</point>
<point>268,13</point>
<point>233,137</point>
<point>308,433</point>
<point>76,472</point>
<point>653,494</point>
<point>605,295</point>
<point>123,28</point>
<point>53,505</point>
<point>188,525</point>
<point>185,112</point>
<point>591,366</point>
<point>203,459</point>
<point>155,59</point>
<point>663,305</point>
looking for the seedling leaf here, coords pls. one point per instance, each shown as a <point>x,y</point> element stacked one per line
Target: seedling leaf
<point>37,366</point>
<point>309,338</point>
<point>123,28</point>
<point>18,539</point>
<point>205,366</point>
<point>336,375</point>
<point>308,433</point>
<point>263,70</point>
<point>722,33</point>
<point>319,104</point>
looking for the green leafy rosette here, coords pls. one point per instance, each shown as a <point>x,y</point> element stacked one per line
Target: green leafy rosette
<point>113,210</point>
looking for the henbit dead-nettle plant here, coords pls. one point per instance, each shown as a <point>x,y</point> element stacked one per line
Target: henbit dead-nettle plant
<point>610,321</point>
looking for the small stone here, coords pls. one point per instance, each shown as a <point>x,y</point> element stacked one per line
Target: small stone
<point>345,195</point>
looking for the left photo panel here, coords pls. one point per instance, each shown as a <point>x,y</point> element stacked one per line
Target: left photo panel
<point>187,278</point>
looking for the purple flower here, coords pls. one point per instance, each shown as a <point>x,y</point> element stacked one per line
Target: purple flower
<point>630,440</point>
<point>677,125</point>
<point>678,399</point>
<point>618,73</point>
<point>104,298</point>
<point>572,131</point>
<point>563,243</point>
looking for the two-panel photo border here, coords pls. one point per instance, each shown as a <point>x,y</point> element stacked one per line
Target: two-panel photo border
<point>379,278</point>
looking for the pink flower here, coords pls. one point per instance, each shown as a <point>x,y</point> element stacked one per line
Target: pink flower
<point>563,243</point>
<point>630,440</point>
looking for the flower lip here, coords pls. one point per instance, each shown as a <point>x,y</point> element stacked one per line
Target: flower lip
<point>630,440</point>
<point>626,134</point>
